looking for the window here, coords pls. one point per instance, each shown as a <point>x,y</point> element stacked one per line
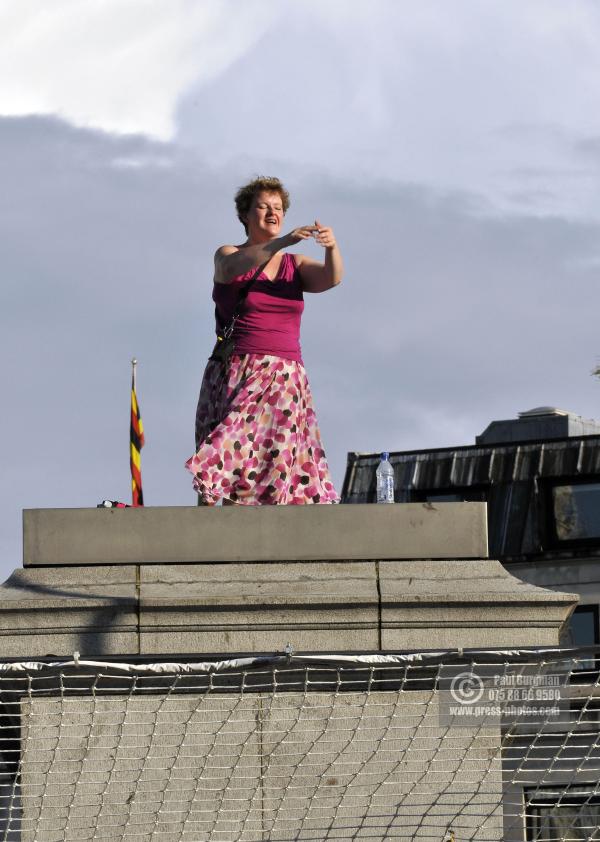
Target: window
<point>584,716</point>
<point>583,631</point>
<point>571,814</point>
<point>576,511</point>
<point>583,626</point>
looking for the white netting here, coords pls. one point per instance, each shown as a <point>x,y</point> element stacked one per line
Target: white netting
<point>297,748</point>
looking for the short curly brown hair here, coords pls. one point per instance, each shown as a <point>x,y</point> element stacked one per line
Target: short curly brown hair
<point>245,195</point>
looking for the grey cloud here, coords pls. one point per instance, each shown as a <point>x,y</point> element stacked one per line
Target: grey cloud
<point>482,317</point>
<point>589,149</point>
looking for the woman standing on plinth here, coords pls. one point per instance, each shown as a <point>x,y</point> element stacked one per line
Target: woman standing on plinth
<point>257,439</point>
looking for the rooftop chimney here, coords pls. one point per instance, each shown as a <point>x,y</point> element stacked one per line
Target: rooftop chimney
<point>542,422</point>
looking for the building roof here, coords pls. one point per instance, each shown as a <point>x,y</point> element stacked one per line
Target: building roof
<point>513,477</point>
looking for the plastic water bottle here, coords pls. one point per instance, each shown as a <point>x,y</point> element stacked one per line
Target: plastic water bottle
<point>385,480</point>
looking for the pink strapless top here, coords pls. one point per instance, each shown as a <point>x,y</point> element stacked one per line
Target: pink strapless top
<point>271,314</point>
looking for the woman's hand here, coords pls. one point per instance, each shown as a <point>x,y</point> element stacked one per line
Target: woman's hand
<point>324,235</point>
<point>304,232</point>
<point>316,276</point>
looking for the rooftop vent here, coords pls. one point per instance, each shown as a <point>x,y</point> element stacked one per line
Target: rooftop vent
<point>543,410</point>
<point>539,424</point>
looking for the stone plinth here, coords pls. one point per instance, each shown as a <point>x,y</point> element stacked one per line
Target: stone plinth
<point>219,581</point>
<point>300,761</point>
<point>171,535</point>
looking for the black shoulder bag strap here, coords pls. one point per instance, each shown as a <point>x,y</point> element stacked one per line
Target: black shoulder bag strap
<point>225,345</point>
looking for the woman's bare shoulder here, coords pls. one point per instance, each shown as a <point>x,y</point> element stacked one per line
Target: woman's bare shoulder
<point>222,263</point>
<point>223,251</point>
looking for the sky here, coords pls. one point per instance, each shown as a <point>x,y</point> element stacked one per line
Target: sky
<point>453,145</point>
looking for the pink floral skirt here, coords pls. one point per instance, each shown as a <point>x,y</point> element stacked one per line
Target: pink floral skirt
<point>257,438</point>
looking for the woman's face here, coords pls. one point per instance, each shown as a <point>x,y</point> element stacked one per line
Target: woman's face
<point>265,216</point>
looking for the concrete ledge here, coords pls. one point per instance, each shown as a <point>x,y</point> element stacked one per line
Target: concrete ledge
<point>46,611</point>
<point>258,607</point>
<point>54,537</point>
<point>444,601</point>
<point>316,606</point>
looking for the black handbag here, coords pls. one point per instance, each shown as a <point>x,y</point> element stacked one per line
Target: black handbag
<point>224,347</point>
<point>225,344</point>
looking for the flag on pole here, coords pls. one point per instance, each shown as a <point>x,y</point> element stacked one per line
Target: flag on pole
<point>136,442</point>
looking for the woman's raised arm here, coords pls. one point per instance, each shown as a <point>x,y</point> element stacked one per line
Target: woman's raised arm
<point>233,261</point>
<point>316,276</point>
